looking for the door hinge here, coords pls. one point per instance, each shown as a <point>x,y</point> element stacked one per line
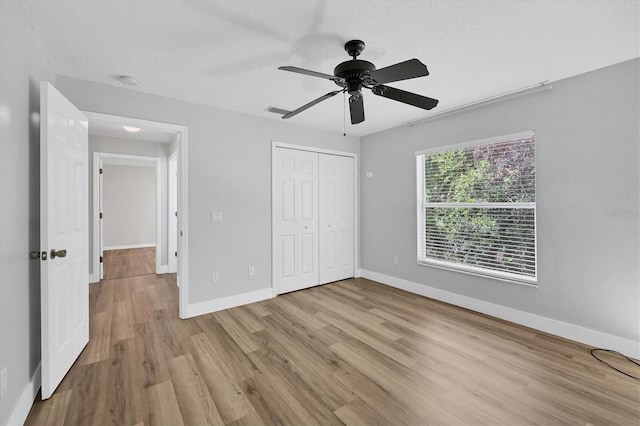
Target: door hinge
<point>176,214</point>
<point>101,259</point>
<point>100,171</point>
<point>100,215</point>
<point>176,254</point>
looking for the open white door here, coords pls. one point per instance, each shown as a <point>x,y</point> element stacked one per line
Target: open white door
<point>64,235</point>
<point>101,218</point>
<point>173,213</point>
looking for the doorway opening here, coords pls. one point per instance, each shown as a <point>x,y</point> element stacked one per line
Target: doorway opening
<point>129,202</point>
<point>135,143</point>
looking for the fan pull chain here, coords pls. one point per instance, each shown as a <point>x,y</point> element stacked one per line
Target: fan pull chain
<point>344,114</point>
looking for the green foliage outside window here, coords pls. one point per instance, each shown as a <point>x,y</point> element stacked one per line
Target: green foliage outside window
<point>489,236</point>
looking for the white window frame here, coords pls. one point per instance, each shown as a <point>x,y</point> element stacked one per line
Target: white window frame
<point>421,205</point>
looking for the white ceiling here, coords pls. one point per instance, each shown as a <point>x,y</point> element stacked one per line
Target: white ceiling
<point>226,53</point>
<point>99,128</point>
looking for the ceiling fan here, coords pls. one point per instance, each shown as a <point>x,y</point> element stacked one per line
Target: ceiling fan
<point>355,74</point>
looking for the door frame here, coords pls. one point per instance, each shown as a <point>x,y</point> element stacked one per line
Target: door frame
<point>183,206</point>
<point>98,200</point>
<point>172,234</point>
<point>356,204</point>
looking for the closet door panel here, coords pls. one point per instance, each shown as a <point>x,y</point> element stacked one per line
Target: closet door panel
<point>295,219</point>
<point>307,171</point>
<point>336,219</point>
<point>285,229</point>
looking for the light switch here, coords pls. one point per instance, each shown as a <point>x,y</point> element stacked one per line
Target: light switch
<point>216,216</point>
<point>369,174</point>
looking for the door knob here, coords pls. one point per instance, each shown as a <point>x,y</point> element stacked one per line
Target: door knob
<point>58,253</point>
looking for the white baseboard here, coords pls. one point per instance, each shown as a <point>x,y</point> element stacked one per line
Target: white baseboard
<point>25,402</point>
<point>215,305</point>
<point>130,246</point>
<point>358,273</point>
<point>573,332</point>
<point>94,278</point>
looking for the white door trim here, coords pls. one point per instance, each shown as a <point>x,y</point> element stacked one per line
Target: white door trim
<point>183,229</point>
<point>172,237</point>
<point>356,197</point>
<point>98,245</point>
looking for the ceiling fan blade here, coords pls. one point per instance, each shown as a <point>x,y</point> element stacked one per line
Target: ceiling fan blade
<point>311,73</point>
<point>402,71</point>
<point>310,104</point>
<point>404,97</point>
<point>356,107</point>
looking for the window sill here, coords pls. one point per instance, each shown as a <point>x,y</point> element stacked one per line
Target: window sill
<point>479,272</point>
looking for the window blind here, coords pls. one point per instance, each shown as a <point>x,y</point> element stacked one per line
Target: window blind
<point>477,207</point>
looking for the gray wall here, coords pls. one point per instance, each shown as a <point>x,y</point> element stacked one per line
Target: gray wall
<point>130,147</point>
<point>229,157</point>
<point>129,197</point>
<point>587,163</point>
<point>22,67</point>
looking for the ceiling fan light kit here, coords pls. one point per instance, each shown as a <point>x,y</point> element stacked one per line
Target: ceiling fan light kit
<point>355,74</point>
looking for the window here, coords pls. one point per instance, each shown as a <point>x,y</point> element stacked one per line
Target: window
<point>477,207</point>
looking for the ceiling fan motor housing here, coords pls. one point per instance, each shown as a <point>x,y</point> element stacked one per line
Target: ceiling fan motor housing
<point>356,74</point>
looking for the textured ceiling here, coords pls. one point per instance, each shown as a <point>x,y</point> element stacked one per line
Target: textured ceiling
<point>226,53</point>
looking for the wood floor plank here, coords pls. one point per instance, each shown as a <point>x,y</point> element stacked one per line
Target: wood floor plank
<point>196,404</point>
<point>287,394</point>
<point>129,262</point>
<point>357,413</point>
<point>226,391</point>
<point>163,405</point>
<point>99,339</point>
<point>227,351</point>
<point>248,318</point>
<point>390,410</point>
<point>54,412</point>
<point>424,396</point>
<point>240,333</point>
<point>311,369</point>
<point>353,352</point>
<point>122,321</point>
<point>125,404</point>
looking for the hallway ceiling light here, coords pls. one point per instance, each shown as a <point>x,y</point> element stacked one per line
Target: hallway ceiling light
<point>131,129</point>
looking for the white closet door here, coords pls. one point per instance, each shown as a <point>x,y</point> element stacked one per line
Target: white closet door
<point>295,219</point>
<point>336,218</point>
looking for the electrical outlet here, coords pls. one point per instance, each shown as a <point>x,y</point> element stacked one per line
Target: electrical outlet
<point>4,382</point>
<point>214,277</point>
<point>395,260</point>
<point>251,271</point>
<point>216,216</point>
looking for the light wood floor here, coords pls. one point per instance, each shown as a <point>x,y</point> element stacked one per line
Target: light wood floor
<point>353,352</point>
<point>129,262</point>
